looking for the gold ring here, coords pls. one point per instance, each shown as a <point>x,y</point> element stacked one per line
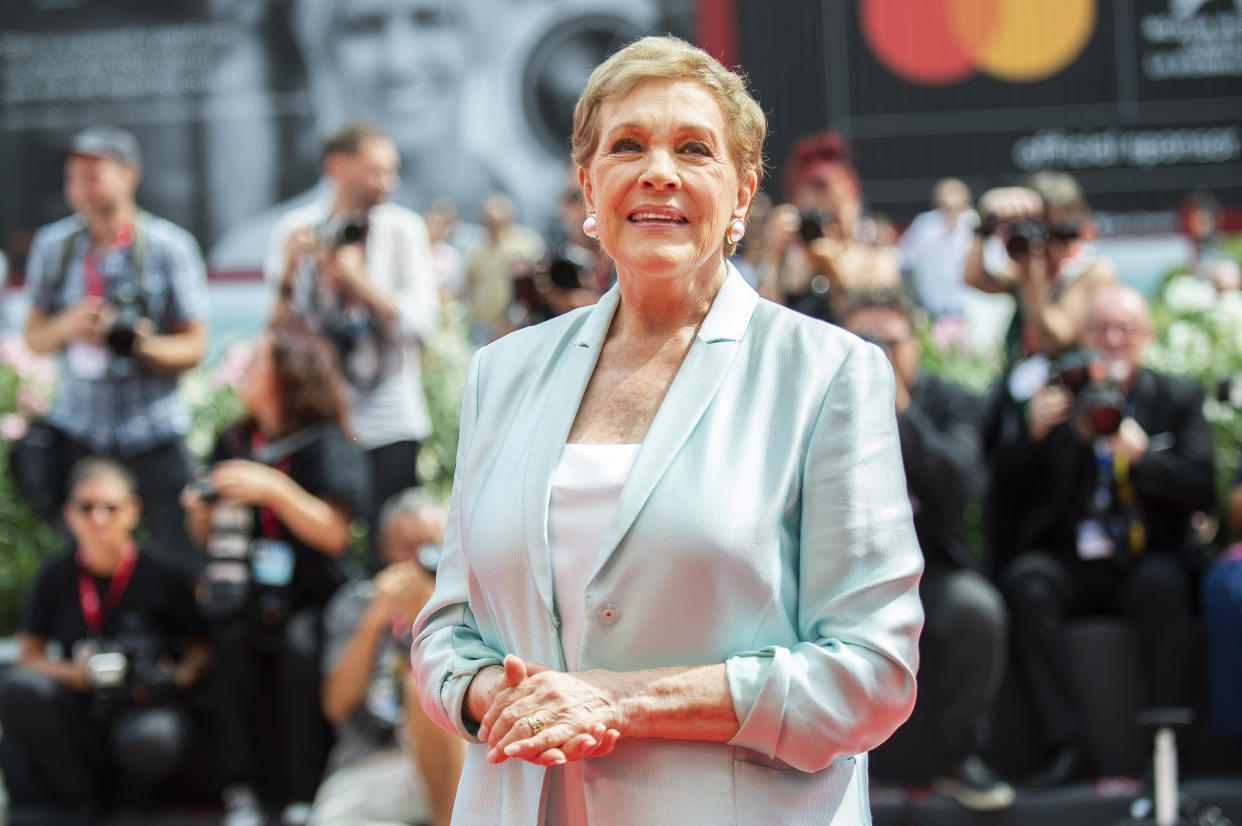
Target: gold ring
<point>535,722</point>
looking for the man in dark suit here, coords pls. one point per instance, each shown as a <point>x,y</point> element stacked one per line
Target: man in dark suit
<point>1101,470</point>
<point>964,637</point>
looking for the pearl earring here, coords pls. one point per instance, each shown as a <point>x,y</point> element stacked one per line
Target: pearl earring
<point>588,227</point>
<point>736,230</point>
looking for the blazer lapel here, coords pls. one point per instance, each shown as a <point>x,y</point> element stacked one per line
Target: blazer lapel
<point>560,406</point>
<point>688,398</point>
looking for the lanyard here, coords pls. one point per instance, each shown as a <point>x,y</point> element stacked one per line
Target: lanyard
<point>93,281</point>
<point>95,611</point>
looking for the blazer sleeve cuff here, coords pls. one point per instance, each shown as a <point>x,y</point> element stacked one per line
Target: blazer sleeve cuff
<point>453,694</point>
<point>758,685</point>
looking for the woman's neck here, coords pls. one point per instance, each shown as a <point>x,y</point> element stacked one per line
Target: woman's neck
<point>662,306</point>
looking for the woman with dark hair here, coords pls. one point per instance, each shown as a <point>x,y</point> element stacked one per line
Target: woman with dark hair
<point>274,514</point>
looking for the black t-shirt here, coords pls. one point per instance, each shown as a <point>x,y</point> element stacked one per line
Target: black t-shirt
<point>331,468</point>
<point>157,601</point>
<point>1237,479</point>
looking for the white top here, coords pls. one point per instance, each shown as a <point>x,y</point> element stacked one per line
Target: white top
<point>585,488</point>
<point>399,263</point>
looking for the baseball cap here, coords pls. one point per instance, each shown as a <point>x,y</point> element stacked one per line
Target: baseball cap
<point>105,142</point>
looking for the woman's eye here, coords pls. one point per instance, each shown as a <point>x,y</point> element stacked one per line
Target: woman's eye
<point>625,145</point>
<point>697,148</point>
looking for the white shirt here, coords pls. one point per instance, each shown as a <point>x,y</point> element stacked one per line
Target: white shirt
<point>399,263</point>
<point>585,488</point>
<point>935,250</point>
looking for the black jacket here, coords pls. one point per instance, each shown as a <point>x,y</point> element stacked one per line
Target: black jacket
<point>941,453</point>
<point>1039,493</point>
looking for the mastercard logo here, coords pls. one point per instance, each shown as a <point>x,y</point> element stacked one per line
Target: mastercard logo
<point>938,42</point>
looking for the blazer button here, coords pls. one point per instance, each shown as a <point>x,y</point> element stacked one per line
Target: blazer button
<point>608,613</point>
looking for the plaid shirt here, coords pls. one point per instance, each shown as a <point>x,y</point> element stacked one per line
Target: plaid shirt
<point>129,409</point>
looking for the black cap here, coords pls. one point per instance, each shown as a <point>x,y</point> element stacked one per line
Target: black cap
<point>105,142</point>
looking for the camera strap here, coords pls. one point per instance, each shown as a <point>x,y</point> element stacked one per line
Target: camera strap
<point>95,610</point>
<point>277,454</point>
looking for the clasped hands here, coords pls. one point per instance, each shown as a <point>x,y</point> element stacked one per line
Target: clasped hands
<point>543,716</point>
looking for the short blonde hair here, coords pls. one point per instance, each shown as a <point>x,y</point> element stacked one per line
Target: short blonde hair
<point>670,58</point>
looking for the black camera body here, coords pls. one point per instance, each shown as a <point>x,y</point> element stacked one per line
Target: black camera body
<point>1099,400</point>
<point>812,222</point>
<point>339,232</point>
<point>126,670</point>
<point>128,310</point>
<point>1020,234</point>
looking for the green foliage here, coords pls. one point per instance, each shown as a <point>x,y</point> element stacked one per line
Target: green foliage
<point>26,383</point>
<point>445,362</point>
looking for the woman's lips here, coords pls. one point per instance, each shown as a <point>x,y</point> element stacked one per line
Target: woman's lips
<point>656,215</point>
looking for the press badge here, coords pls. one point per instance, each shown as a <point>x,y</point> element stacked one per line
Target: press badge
<point>1093,541</point>
<point>86,361</point>
<point>271,562</point>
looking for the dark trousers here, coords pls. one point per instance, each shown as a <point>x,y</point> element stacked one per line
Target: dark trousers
<point>161,473</point>
<point>1222,610</point>
<point>56,752</point>
<point>394,467</point>
<point>269,724</point>
<point>963,652</point>
<point>1153,594</point>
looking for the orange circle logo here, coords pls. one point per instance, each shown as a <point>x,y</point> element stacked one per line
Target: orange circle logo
<point>938,42</point>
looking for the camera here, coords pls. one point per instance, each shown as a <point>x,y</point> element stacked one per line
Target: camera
<point>224,585</point>
<point>338,232</point>
<point>1099,400</point>
<point>201,485</point>
<point>127,670</point>
<point>128,310</point>
<point>812,222</point>
<point>1019,234</point>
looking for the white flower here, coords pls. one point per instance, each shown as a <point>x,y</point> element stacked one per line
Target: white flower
<point>1188,295</point>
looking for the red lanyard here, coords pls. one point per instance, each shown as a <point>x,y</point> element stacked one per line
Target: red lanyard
<point>93,610</point>
<point>269,525</point>
<point>92,281</point>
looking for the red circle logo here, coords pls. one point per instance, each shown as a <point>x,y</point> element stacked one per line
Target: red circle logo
<point>938,42</point>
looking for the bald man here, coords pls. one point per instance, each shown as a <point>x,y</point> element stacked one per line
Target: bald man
<point>1103,507</point>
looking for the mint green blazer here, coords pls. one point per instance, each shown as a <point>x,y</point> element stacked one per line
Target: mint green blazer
<point>765,525</point>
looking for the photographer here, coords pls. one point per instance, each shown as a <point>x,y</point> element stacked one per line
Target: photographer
<point>120,294</point>
<point>369,692</point>
<point>820,246</point>
<point>1099,475</point>
<point>274,514</point>
<point>1050,268</point>
<point>964,645</point>
<point>358,270</point>
<point>109,709</point>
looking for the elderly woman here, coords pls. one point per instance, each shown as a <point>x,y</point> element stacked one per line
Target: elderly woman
<point>680,575</point>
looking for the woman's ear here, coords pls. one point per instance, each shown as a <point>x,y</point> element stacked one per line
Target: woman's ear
<point>588,191</point>
<point>746,190</point>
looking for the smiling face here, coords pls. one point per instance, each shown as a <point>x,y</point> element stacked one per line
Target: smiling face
<point>661,183</point>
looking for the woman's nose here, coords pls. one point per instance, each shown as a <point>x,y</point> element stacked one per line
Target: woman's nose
<point>661,171</point>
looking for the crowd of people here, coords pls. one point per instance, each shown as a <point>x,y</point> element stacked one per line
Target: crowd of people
<point>760,483</point>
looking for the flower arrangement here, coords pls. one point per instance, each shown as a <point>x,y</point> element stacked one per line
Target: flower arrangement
<point>27,382</point>
<point>1199,335</point>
